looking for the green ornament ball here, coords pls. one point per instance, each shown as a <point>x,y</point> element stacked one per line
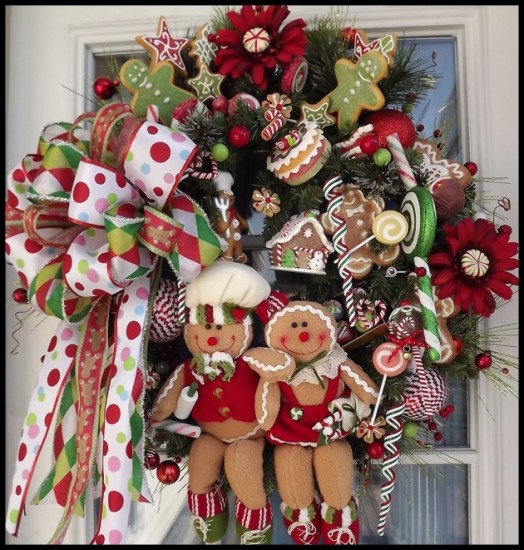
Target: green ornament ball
<point>219,152</point>
<point>381,157</point>
<point>410,430</point>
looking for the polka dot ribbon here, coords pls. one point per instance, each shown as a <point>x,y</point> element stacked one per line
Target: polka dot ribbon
<point>83,237</point>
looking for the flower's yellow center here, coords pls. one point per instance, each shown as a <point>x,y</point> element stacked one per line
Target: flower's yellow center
<point>256,40</point>
<point>474,263</point>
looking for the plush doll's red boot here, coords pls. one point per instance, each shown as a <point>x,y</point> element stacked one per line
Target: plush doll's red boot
<point>303,524</point>
<point>210,514</point>
<point>254,526</point>
<point>340,526</point>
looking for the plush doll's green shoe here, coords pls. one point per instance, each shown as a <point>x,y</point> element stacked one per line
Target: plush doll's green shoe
<point>213,528</point>
<point>254,536</point>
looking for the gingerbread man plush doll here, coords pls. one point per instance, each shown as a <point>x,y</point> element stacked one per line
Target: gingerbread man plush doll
<point>320,403</point>
<point>220,302</point>
<point>231,224</point>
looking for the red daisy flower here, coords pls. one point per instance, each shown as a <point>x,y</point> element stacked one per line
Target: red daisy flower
<point>475,266</point>
<point>255,44</point>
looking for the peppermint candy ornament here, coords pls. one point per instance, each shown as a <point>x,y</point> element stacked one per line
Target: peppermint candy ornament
<point>256,40</point>
<point>165,324</point>
<point>474,263</point>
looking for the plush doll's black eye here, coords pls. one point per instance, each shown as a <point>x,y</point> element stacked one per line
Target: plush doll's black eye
<point>208,326</point>
<point>219,327</point>
<point>294,325</point>
<point>304,324</point>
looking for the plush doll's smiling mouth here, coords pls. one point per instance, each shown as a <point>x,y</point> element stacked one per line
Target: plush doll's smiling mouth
<point>214,343</point>
<point>282,341</point>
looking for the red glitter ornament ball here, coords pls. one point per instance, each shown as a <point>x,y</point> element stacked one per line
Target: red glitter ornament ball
<point>389,121</point>
<point>349,34</point>
<point>369,144</point>
<point>104,87</point>
<point>483,361</point>
<point>472,167</point>
<point>20,295</point>
<point>239,136</point>
<point>184,109</point>
<point>168,472</point>
<point>459,344</point>
<point>376,450</point>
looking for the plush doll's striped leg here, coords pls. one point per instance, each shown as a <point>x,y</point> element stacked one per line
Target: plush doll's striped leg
<point>206,499</point>
<point>245,473</point>
<point>333,465</point>
<point>296,485</point>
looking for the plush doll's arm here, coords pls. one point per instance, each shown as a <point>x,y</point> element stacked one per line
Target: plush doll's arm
<point>267,403</point>
<point>167,398</point>
<point>359,382</point>
<point>270,364</point>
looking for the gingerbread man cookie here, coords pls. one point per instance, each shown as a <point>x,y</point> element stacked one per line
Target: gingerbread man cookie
<point>358,213</point>
<point>152,87</point>
<point>386,45</point>
<point>439,167</point>
<point>357,88</point>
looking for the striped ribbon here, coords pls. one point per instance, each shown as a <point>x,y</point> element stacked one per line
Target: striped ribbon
<point>390,461</point>
<point>335,200</point>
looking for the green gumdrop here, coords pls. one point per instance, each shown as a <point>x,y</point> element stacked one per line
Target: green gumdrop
<point>410,430</point>
<point>219,152</point>
<point>381,157</point>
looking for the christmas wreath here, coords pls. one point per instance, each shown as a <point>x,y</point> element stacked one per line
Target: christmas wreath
<point>130,224</point>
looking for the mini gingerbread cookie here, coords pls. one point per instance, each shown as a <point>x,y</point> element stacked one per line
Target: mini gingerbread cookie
<point>206,84</point>
<point>358,213</point>
<point>202,49</point>
<point>317,113</point>
<point>152,87</point>
<point>386,45</point>
<point>357,88</point>
<point>439,167</point>
<point>164,46</point>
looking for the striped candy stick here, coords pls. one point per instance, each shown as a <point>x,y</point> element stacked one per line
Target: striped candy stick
<point>390,461</point>
<point>335,200</point>
<point>404,169</point>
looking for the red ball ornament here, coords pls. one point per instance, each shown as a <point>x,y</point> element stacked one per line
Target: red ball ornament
<point>472,167</point>
<point>420,272</point>
<point>505,370</point>
<point>459,344</point>
<point>438,436</point>
<point>168,472</point>
<point>483,361</point>
<point>450,409</point>
<point>184,109</point>
<point>376,450</point>
<point>437,133</point>
<point>220,103</point>
<point>239,136</point>
<point>151,459</point>
<point>20,295</point>
<point>349,34</point>
<point>420,127</point>
<point>390,121</point>
<point>432,425</point>
<point>104,87</point>
<point>369,144</point>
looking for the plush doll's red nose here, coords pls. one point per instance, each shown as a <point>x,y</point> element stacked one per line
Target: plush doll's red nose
<point>304,336</point>
<point>212,341</point>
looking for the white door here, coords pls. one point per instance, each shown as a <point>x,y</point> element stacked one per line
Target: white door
<point>48,65</point>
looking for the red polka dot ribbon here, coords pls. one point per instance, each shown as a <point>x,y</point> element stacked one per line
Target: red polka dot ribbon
<point>83,234</point>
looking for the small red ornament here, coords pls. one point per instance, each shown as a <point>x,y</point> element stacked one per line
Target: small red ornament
<point>437,133</point>
<point>220,103</point>
<point>376,450</point>
<point>349,34</point>
<point>472,167</point>
<point>104,87</point>
<point>483,361</point>
<point>369,144</point>
<point>420,127</point>
<point>239,136</point>
<point>151,459</point>
<point>390,121</point>
<point>20,295</point>
<point>432,426</point>
<point>438,436</point>
<point>459,344</point>
<point>420,272</point>
<point>505,370</point>
<point>450,409</point>
<point>168,472</point>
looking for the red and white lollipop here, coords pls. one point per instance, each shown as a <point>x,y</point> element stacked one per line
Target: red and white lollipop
<point>389,361</point>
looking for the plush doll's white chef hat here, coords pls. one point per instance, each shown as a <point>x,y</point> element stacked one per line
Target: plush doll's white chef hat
<point>224,182</point>
<point>225,292</point>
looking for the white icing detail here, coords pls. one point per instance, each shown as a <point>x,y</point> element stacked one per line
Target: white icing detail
<point>352,91</point>
<point>268,368</point>
<point>149,86</point>
<point>170,383</point>
<point>167,100</point>
<point>359,381</point>
<point>264,395</point>
<point>157,93</point>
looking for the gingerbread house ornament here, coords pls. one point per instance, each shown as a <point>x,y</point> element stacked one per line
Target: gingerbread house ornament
<point>301,245</point>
